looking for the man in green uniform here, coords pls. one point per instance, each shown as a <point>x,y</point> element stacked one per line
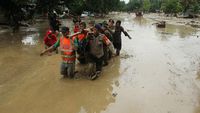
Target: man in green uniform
<point>67,48</point>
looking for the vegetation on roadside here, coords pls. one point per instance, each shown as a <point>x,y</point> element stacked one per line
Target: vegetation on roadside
<point>167,6</point>
<point>21,10</point>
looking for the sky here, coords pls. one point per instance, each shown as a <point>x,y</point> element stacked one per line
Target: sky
<point>125,1</point>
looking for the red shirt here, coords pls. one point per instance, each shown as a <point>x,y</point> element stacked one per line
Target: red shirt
<point>76,28</point>
<point>50,41</point>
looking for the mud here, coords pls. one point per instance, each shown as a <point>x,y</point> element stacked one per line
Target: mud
<point>157,72</point>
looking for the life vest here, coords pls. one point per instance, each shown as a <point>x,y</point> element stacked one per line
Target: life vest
<point>107,41</point>
<point>67,50</point>
<point>81,36</point>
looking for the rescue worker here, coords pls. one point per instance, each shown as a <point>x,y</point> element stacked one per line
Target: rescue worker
<point>107,51</point>
<point>82,43</point>
<point>91,25</point>
<point>111,25</point>
<point>67,48</point>
<point>76,27</point>
<point>96,41</point>
<point>106,31</point>
<point>117,41</point>
<point>49,39</point>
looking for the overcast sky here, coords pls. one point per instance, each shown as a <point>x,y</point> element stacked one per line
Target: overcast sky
<point>125,1</point>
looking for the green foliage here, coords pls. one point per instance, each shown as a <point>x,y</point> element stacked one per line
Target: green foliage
<point>155,5</point>
<point>195,8</point>
<point>103,6</point>
<point>122,6</point>
<point>98,6</point>
<point>134,5</point>
<point>43,6</point>
<point>16,11</point>
<point>171,6</point>
<point>168,6</point>
<point>179,7</point>
<point>146,5</point>
<point>75,6</point>
<point>95,5</point>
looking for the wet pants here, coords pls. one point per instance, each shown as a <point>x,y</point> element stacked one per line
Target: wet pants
<point>98,62</point>
<point>118,47</point>
<point>67,69</point>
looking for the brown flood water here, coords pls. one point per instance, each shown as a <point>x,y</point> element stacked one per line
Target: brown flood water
<point>158,72</point>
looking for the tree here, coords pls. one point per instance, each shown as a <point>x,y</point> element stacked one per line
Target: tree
<point>122,6</point>
<point>155,5</point>
<point>44,6</point>
<point>171,6</point>
<point>195,8</point>
<point>75,6</point>
<point>187,3</point>
<point>146,5</point>
<point>179,7</point>
<point>134,5</point>
<point>16,11</point>
<point>102,6</point>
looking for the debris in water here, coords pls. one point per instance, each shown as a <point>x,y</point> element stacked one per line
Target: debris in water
<point>114,94</point>
<point>30,39</point>
<point>125,56</point>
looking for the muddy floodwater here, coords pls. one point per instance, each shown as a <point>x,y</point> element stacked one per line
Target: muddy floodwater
<point>158,71</point>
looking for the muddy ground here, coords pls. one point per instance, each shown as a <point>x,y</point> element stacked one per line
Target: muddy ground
<point>158,71</point>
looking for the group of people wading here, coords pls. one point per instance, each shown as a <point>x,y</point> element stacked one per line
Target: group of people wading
<point>94,44</point>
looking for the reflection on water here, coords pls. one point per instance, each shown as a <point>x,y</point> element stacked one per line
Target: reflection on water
<point>140,21</point>
<point>177,30</point>
<point>30,39</point>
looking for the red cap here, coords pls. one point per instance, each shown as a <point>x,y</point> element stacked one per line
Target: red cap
<point>49,32</point>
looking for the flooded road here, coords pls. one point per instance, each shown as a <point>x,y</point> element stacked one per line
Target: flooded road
<point>158,71</point>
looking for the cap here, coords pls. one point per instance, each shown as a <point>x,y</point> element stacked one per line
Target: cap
<point>49,32</point>
<point>98,26</point>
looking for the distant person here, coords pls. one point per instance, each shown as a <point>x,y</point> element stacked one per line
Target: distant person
<point>106,31</point>
<point>110,28</point>
<point>82,43</point>
<point>67,48</point>
<point>50,39</point>
<point>108,50</point>
<point>91,25</point>
<point>111,25</point>
<point>117,41</point>
<point>76,21</point>
<point>76,27</point>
